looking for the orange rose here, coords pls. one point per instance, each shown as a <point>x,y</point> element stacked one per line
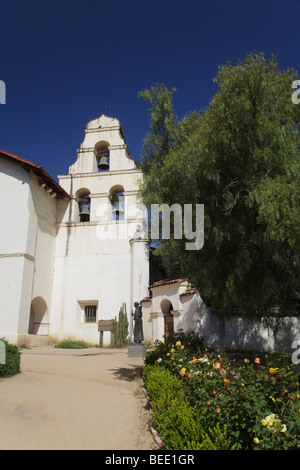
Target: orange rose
<point>273,371</point>
<point>227,382</point>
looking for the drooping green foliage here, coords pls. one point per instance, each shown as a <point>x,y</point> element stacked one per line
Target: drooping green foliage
<point>162,126</point>
<point>240,158</point>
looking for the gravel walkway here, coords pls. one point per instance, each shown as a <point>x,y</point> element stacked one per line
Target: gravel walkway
<point>87,399</point>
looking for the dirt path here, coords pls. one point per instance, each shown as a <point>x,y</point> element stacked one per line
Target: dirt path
<point>69,400</point>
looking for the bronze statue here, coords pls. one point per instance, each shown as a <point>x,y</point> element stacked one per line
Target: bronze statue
<point>138,334</point>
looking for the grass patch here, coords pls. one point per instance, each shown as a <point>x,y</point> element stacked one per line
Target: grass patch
<point>73,344</point>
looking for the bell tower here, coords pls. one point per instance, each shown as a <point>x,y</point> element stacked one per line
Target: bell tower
<point>102,247</point>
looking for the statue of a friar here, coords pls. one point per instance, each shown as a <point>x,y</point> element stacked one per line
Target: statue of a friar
<point>138,334</point>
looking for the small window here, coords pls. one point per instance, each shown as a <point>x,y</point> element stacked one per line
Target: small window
<point>90,312</point>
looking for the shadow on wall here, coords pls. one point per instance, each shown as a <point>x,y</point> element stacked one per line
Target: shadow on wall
<point>238,333</point>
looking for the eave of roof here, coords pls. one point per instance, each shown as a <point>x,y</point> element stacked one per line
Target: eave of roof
<point>37,170</point>
<point>190,291</point>
<point>163,282</point>
<point>147,299</point>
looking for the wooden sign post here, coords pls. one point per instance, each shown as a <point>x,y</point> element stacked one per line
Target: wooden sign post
<point>106,325</point>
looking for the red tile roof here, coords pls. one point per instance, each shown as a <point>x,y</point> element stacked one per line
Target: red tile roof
<point>147,299</point>
<point>37,170</point>
<point>190,291</point>
<point>167,281</point>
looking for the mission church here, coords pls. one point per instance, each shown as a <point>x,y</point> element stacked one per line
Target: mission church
<point>72,253</point>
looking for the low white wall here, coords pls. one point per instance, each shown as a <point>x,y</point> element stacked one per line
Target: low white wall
<point>234,333</point>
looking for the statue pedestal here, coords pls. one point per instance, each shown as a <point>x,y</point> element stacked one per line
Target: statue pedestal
<point>137,350</point>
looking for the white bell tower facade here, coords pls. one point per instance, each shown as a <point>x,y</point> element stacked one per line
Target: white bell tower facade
<point>102,250</point>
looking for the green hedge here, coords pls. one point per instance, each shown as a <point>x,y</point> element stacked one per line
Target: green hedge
<point>12,360</point>
<point>178,424</point>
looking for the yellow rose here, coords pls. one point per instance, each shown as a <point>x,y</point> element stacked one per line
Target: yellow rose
<point>277,424</point>
<point>273,371</point>
<point>271,418</point>
<point>264,422</point>
<point>256,440</point>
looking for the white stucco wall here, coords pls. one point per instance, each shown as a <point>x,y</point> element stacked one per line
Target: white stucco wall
<point>230,332</point>
<point>27,241</point>
<point>15,253</point>
<point>42,235</point>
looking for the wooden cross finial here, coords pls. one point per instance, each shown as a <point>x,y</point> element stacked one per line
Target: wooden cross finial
<point>105,107</point>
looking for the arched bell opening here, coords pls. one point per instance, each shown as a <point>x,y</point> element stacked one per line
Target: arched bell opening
<point>117,202</point>
<point>101,151</point>
<point>84,204</point>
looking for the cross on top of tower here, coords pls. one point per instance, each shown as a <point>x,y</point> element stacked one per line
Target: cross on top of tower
<point>105,107</point>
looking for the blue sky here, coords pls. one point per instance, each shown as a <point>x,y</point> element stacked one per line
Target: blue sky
<point>62,60</point>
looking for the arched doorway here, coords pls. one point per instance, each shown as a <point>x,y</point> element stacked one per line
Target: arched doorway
<point>166,308</point>
<point>38,322</point>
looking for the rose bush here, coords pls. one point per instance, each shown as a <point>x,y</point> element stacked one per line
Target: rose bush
<point>241,395</point>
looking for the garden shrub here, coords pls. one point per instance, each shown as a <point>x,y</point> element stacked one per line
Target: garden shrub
<point>178,424</point>
<point>162,387</point>
<point>12,360</point>
<point>257,402</point>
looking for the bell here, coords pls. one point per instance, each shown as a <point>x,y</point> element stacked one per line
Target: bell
<point>103,163</point>
<point>118,209</point>
<point>84,213</point>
